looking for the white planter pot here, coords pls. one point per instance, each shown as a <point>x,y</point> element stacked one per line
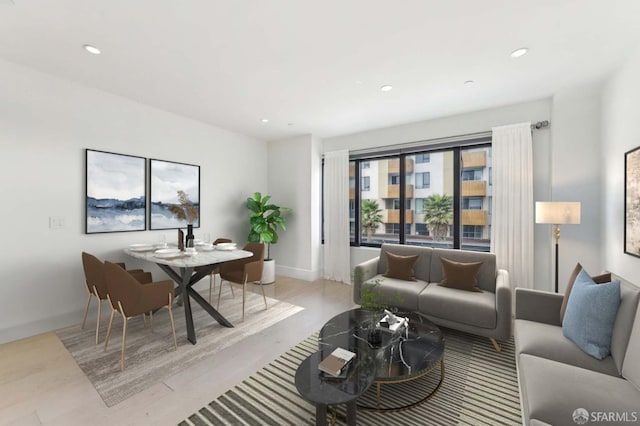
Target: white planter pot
<point>269,272</point>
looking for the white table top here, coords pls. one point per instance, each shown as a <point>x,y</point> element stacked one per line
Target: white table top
<point>199,259</point>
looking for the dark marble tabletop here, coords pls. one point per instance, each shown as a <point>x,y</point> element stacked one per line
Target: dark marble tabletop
<point>315,386</point>
<point>401,354</point>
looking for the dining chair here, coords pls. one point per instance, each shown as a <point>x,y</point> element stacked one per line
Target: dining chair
<point>96,286</point>
<point>216,271</point>
<point>131,298</point>
<point>243,271</point>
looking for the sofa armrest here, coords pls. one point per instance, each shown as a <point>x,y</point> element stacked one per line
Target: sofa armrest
<point>503,305</point>
<point>362,273</point>
<point>537,305</point>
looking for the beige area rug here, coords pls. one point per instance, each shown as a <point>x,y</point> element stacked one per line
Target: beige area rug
<point>150,356</point>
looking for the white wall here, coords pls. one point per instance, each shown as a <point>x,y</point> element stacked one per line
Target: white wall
<point>620,133</point>
<point>479,121</point>
<point>576,175</point>
<point>45,125</point>
<point>294,181</point>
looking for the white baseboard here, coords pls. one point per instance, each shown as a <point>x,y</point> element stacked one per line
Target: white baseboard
<point>47,325</point>
<point>300,274</point>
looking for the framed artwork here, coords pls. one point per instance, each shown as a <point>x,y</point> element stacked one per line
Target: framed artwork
<point>175,195</point>
<point>115,192</point>
<point>632,202</point>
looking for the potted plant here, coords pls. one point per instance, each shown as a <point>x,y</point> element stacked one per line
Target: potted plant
<point>264,220</point>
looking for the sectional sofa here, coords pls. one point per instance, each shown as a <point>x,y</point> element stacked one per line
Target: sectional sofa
<point>562,385</point>
<point>486,313</point>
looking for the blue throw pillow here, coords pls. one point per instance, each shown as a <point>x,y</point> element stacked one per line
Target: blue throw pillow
<point>591,311</point>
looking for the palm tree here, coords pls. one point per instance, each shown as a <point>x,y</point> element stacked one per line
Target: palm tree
<point>438,214</point>
<point>371,216</point>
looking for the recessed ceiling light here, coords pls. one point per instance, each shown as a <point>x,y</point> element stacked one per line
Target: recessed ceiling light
<point>386,88</point>
<point>519,52</point>
<point>91,49</point>
<point>469,83</point>
<point>265,120</point>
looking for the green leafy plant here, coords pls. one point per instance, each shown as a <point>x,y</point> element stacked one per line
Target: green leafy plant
<point>264,220</point>
<point>186,210</point>
<point>438,214</point>
<point>371,217</point>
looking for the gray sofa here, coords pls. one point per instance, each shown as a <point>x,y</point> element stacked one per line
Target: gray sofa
<point>486,314</point>
<point>556,377</point>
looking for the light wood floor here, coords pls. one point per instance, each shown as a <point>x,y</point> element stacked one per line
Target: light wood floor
<point>40,383</point>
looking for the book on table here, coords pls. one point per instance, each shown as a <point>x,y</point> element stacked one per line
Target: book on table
<point>335,361</point>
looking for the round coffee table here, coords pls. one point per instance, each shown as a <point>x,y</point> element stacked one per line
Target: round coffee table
<point>316,387</point>
<point>402,356</point>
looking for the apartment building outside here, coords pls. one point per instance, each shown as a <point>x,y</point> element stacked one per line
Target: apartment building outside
<point>429,174</point>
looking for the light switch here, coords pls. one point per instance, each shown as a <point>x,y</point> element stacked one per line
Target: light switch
<point>56,222</point>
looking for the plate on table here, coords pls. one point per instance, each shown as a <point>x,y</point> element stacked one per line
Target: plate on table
<point>140,247</point>
<point>206,247</point>
<point>197,242</point>
<point>226,246</point>
<point>168,253</point>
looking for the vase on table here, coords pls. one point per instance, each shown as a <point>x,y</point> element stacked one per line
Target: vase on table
<point>189,238</point>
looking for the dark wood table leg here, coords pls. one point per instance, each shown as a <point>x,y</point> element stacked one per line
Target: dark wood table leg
<point>188,316</point>
<point>210,309</point>
<point>321,415</point>
<point>185,280</point>
<point>351,413</point>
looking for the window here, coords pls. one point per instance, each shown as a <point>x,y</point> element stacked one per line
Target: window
<point>423,180</point>
<point>473,232</point>
<point>444,204</point>
<point>472,174</point>
<point>490,176</point>
<point>366,183</point>
<point>379,203</point>
<point>471,203</point>
<point>422,229</point>
<point>423,158</point>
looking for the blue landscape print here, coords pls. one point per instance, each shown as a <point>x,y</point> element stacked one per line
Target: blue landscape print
<point>116,198</point>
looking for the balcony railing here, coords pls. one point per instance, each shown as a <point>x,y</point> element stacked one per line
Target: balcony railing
<point>474,188</point>
<point>474,159</point>
<point>393,216</point>
<point>393,191</point>
<point>474,217</point>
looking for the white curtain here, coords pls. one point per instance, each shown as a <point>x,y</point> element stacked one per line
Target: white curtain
<point>337,259</point>
<point>512,213</point>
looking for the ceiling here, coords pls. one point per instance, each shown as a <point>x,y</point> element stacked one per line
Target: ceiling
<point>316,66</point>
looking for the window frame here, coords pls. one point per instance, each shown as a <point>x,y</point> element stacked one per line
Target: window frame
<point>456,149</point>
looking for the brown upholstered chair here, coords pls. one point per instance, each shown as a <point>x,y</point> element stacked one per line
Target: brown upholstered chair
<point>216,271</point>
<point>131,298</point>
<point>96,286</point>
<point>243,271</point>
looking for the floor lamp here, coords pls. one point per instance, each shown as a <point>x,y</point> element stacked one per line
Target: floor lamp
<point>557,213</point>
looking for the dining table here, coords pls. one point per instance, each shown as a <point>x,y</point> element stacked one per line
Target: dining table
<point>186,269</point>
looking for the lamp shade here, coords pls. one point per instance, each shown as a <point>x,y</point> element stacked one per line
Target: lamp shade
<point>558,212</point>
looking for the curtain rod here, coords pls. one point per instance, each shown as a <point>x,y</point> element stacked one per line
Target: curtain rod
<point>540,124</point>
<point>437,143</point>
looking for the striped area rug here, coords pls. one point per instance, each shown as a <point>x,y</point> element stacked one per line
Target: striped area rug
<point>480,388</point>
